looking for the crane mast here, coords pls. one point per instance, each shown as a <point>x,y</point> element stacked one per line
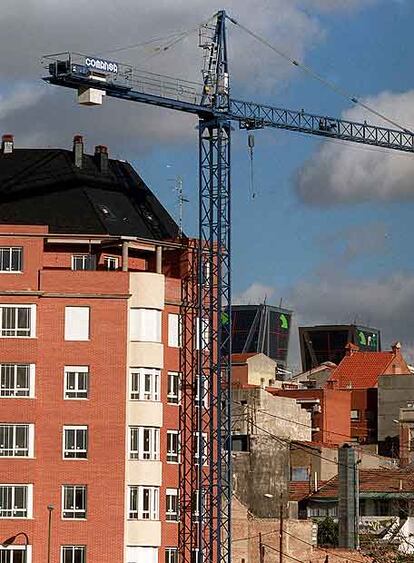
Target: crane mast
<point>205,420</point>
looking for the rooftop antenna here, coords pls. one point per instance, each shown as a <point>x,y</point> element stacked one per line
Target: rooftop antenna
<point>179,189</point>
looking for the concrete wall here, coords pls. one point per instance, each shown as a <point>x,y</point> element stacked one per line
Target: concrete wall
<point>393,393</point>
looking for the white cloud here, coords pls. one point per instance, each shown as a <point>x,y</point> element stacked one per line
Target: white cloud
<point>35,27</point>
<point>344,173</point>
<point>255,294</point>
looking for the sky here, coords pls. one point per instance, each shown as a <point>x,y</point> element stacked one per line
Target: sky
<point>329,230</point>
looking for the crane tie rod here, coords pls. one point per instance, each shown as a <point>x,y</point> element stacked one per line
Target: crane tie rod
<point>318,77</point>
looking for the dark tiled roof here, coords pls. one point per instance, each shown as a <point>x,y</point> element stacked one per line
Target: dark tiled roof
<point>43,187</point>
<point>373,481</point>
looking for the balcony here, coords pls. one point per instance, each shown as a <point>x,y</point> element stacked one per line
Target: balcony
<point>84,282</point>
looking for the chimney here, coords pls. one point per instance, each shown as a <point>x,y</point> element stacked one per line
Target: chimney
<point>78,150</point>
<point>101,156</point>
<point>350,349</point>
<point>396,348</point>
<point>7,144</point>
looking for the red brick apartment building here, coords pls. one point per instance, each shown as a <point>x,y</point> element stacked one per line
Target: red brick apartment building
<point>90,286</point>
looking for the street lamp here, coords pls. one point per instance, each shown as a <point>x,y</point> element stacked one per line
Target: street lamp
<point>12,539</point>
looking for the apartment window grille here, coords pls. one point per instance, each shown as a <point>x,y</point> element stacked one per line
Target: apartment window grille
<point>16,440</point>
<point>83,262</point>
<point>173,390</point>
<point>74,502</point>
<point>15,501</point>
<point>145,384</point>
<point>17,380</point>
<point>173,446</point>
<point>144,443</point>
<point>143,503</point>
<point>111,262</point>
<point>11,260</point>
<point>172,505</point>
<point>200,446</point>
<point>73,554</point>
<point>15,554</point>
<point>75,442</point>
<point>17,321</point>
<point>76,382</point>
<point>171,555</point>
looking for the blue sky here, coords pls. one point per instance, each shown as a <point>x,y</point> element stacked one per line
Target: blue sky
<point>330,228</point>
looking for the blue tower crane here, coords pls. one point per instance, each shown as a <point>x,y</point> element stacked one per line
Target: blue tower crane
<point>206,433</point>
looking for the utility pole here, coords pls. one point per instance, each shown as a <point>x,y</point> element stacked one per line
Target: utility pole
<point>281,529</point>
<point>261,550</point>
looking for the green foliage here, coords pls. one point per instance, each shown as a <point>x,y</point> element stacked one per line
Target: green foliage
<point>328,532</point>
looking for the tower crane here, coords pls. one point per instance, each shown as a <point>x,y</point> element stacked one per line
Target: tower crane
<point>206,459</point>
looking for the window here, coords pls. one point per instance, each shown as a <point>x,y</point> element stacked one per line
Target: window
<point>75,442</point>
<point>171,555</point>
<point>136,554</point>
<point>16,440</point>
<point>173,446</point>
<point>197,438</point>
<point>144,443</point>
<point>111,262</point>
<point>195,503</point>
<point>299,474</point>
<point>15,554</point>
<point>18,321</point>
<point>174,331</point>
<point>74,502</point>
<point>11,259</point>
<point>354,415</point>
<point>76,382</point>
<point>17,380</point>
<point>195,555</point>
<point>204,334</point>
<point>145,384</point>
<point>171,514</point>
<point>73,554</point>
<point>16,501</point>
<point>83,262</point>
<point>145,325</point>
<point>204,391</point>
<point>173,391</point>
<point>143,503</point>
<point>76,323</point>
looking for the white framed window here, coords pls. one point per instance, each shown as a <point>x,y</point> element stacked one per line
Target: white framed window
<point>144,384</point>
<point>76,382</point>
<point>195,503</point>
<point>111,262</point>
<point>145,325</point>
<point>144,443</point>
<point>77,323</point>
<point>11,259</point>
<point>83,262</point>
<point>75,442</point>
<point>16,440</point>
<point>17,380</point>
<point>172,505</point>
<point>171,555</point>
<point>16,554</point>
<point>195,555</point>
<point>138,554</point>
<point>200,447</point>
<point>17,321</point>
<point>201,325</point>
<point>143,502</point>
<point>173,388</point>
<point>74,502</point>
<point>73,554</point>
<point>174,330</point>
<point>201,382</point>
<point>173,446</point>
<point>16,501</point>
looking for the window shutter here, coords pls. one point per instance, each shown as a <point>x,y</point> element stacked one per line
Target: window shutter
<point>145,325</point>
<point>76,323</point>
